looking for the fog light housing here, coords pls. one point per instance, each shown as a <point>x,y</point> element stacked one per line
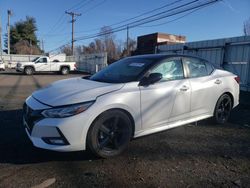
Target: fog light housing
<point>61,141</point>
<point>54,141</point>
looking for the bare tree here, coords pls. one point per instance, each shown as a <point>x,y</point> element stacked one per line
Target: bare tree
<point>99,46</point>
<point>24,47</point>
<point>109,44</point>
<point>246,27</point>
<point>131,47</point>
<point>67,50</point>
<point>90,49</point>
<point>78,50</point>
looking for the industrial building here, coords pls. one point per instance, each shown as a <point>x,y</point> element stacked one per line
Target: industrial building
<point>146,44</point>
<point>232,54</point>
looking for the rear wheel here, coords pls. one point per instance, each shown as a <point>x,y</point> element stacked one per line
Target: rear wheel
<point>223,109</point>
<point>64,70</point>
<point>28,70</point>
<point>110,134</point>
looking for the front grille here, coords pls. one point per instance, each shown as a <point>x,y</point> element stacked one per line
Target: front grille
<point>31,116</point>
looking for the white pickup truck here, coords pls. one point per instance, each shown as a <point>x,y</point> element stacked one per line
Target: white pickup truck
<point>43,64</point>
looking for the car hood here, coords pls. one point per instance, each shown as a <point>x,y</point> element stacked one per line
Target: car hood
<point>74,90</point>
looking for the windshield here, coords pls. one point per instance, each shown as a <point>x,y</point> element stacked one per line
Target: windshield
<point>35,59</point>
<point>122,71</point>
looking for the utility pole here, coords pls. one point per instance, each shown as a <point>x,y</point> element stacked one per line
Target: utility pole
<point>73,15</point>
<point>128,41</point>
<point>42,45</point>
<point>9,14</point>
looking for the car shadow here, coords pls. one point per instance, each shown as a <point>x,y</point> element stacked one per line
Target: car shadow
<point>16,148</point>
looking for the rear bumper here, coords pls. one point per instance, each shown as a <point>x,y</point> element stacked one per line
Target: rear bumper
<point>236,95</point>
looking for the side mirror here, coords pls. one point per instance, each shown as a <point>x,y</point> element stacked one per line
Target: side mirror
<point>151,79</point>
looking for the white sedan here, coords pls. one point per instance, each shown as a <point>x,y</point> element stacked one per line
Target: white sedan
<point>133,97</point>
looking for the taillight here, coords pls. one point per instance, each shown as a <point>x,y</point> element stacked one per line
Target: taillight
<point>75,65</point>
<point>237,79</point>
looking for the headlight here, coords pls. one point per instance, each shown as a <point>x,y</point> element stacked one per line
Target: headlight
<point>66,111</point>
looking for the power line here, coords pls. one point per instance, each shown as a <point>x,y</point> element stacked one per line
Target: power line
<point>115,30</point>
<point>153,18</point>
<point>52,28</point>
<point>140,21</point>
<point>173,19</point>
<point>86,3</point>
<point>60,20</point>
<point>126,20</point>
<point>129,19</point>
<point>95,6</point>
<point>77,5</point>
<point>138,16</point>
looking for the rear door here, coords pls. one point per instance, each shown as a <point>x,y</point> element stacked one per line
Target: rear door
<point>205,86</point>
<point>167,99</point>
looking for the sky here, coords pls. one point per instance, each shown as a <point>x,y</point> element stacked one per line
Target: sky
<point>220,20</point>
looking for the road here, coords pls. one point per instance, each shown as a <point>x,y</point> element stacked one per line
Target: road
<point>202,155</point>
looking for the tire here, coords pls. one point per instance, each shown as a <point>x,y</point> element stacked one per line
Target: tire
<point>109,134</point>
<point>64,70</point>
<point>223,109</point>
<point>29,70</point>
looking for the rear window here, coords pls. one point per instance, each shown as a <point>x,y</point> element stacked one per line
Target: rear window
<point>209,67</point>
<point>198,67</point>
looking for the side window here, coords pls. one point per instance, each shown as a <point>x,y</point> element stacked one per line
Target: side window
<point>170,70</point>
<point>42,60</point>
<point>45,60</point>
<point>196,67</point>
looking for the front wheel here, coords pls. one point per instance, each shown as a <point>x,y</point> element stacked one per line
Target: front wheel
<point>223,109</point>
<point>110,134</point>
<point>28,70</point>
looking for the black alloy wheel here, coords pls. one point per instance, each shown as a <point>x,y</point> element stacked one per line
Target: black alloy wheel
<point>223,109</point>
<point>110,134</point>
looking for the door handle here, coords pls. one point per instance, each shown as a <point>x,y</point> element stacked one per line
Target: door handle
<point>217,81</point>
<point>184,88</point>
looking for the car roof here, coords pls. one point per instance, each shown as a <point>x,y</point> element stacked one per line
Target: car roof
<point>163,56</point>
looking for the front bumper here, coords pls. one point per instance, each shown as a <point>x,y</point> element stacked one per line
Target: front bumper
<point>19,69</point>
<point>72,131</point>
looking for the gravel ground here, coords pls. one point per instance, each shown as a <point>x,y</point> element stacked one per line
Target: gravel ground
<point>203,155</point>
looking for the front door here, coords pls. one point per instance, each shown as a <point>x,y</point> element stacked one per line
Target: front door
<point>42,65</point>
<point>168,99</point>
